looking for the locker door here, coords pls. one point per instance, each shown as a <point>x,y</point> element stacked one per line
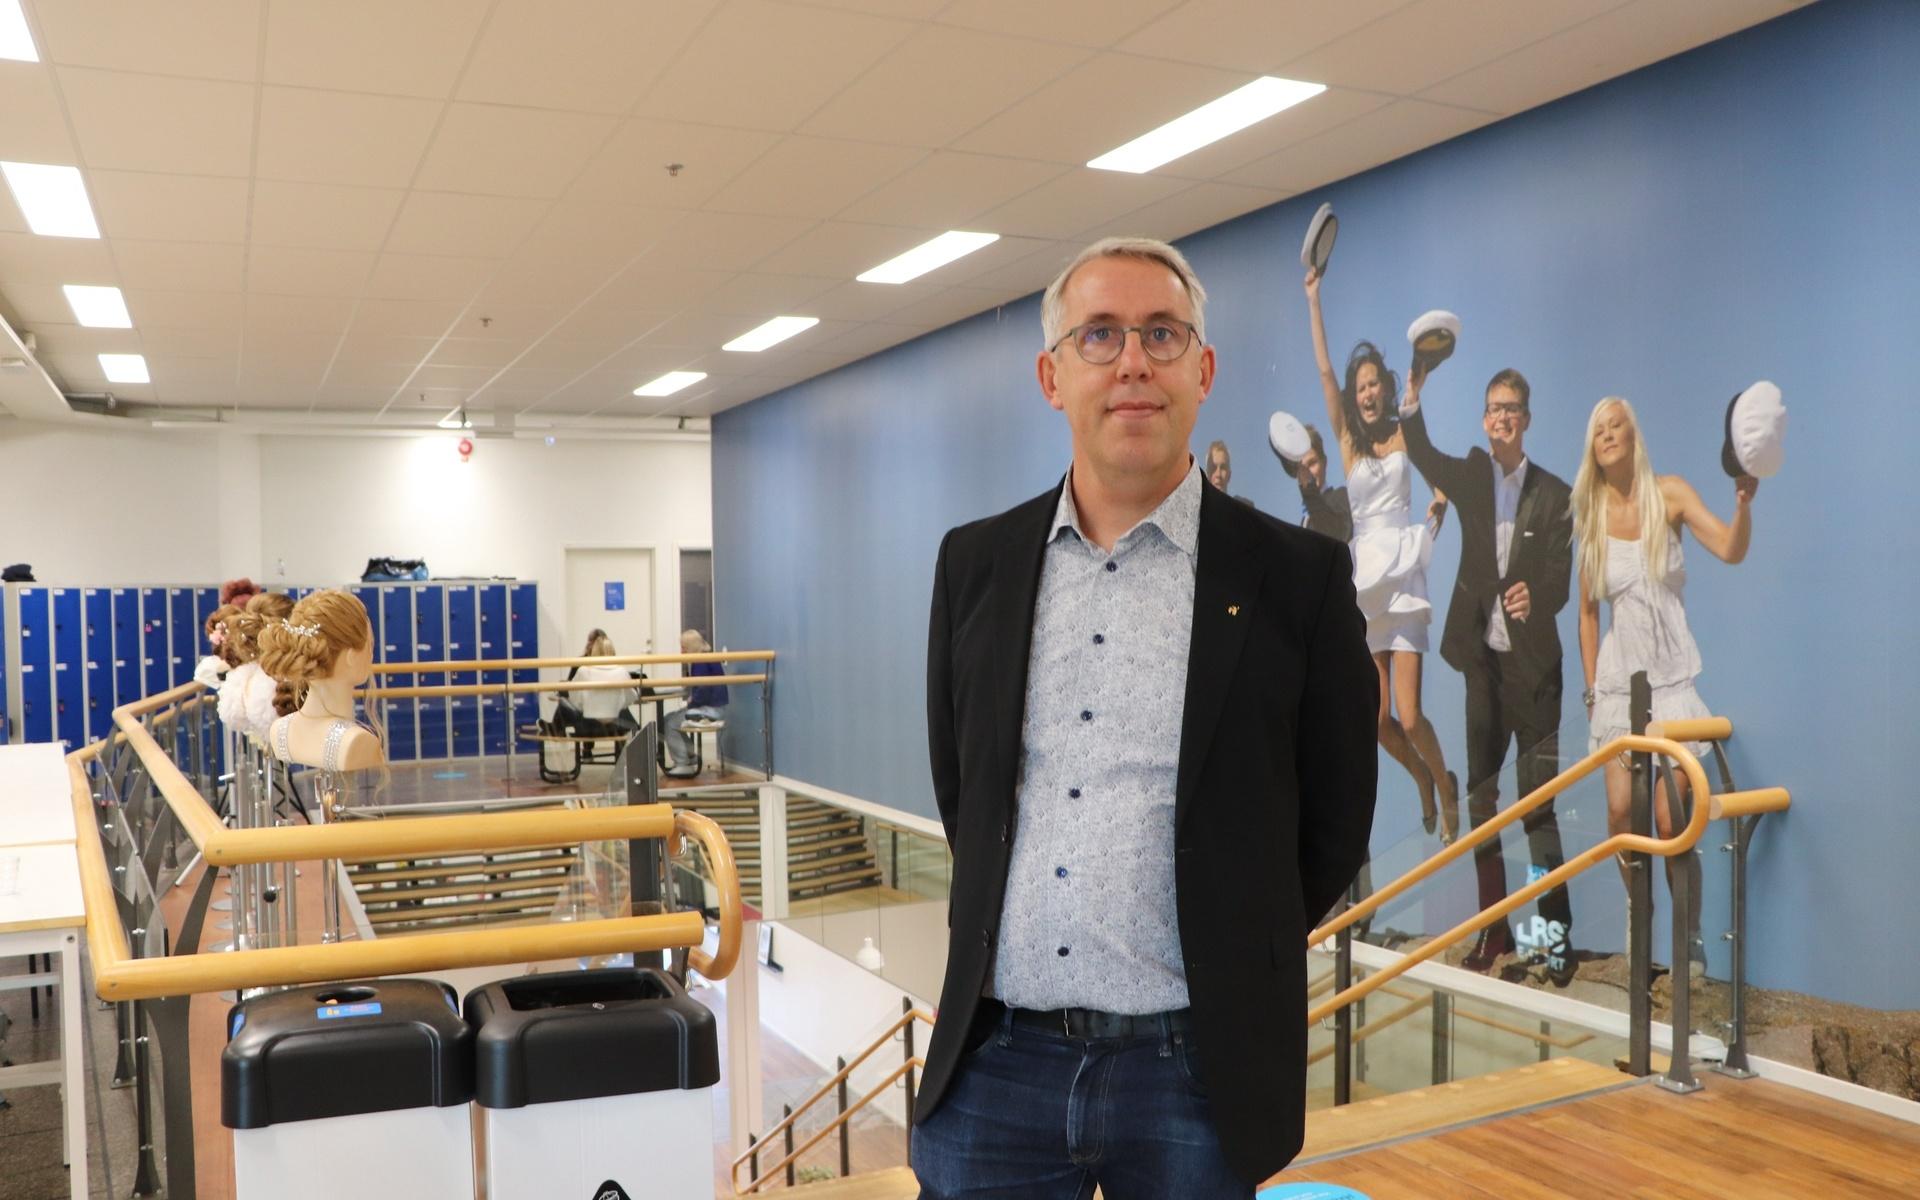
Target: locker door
<point>463,635</point>
<point>6,653</point>
<point>126,646</point>
<point>36,665</point>
<point>97,604</point>
<point>396,623</point>
<point>430,645</point>
<point>154,656</point>
<point>69,669</point>
<point>523,632</point>
<point>495,713</point>
<point>184,636</point>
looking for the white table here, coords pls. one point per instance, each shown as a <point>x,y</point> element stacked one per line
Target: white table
<point>41,912</point>
<point>36,799</point>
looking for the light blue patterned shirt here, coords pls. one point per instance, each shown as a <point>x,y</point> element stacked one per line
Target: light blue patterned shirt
<point>1089,919</point>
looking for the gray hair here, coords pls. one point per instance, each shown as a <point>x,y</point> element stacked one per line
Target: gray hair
<point>1052,310</point>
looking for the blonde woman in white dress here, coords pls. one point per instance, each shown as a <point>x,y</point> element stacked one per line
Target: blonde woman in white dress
<point>1390,555</point>
<point>1629,522</point>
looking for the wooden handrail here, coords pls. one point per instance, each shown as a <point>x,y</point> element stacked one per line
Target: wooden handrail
<point>120,976</point>
<point>604,660</point>
<point>1533,1035</point>
<point>1682,840</point>
<point>1693,729</point>
<point>556,685</point>
<point>828,1088</point>
<point>753,1185</point>
<point>1749,803</point>
<point>707,833</point>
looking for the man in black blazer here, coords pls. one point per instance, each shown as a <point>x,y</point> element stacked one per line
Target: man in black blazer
<point>1150,719</point>
<point>1322,509</point>
<point>1516,558</point>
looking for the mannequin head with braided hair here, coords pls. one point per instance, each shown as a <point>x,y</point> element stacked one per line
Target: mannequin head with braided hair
<point>324,650</point>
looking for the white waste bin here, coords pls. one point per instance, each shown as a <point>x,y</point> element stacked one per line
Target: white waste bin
<point>357,1089</point>
<point>594,1084</point>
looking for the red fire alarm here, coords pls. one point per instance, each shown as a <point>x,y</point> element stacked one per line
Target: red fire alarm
<point>466,449</point>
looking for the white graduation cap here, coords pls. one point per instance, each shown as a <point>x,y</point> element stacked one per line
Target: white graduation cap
<point>1289,440</point>
<point>1433,335</point>
<point>1756,432</point>
<point>1318,248</point>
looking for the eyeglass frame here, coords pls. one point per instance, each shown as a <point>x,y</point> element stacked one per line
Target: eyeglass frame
<point>1193,336</point>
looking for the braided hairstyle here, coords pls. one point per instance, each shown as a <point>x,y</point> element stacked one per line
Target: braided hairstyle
<point>305,645</point>
<point>219,636</point>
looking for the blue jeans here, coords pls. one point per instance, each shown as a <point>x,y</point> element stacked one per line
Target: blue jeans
<point>1037,1115</point>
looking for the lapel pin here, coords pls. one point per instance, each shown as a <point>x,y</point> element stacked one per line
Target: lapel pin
<point>1233,610</point>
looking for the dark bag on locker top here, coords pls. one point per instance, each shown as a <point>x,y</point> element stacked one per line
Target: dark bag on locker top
<point>17,573</point>
<point>390,570</point>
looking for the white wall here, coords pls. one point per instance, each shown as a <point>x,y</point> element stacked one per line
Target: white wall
<point>329,504</point>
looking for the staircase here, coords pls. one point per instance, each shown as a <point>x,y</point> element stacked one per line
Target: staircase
<point>827,848</point>
<point>461,891</point>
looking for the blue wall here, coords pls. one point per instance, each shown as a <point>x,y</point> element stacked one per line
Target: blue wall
<point>1744,211</point>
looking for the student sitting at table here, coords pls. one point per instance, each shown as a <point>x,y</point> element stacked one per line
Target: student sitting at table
<point>703,707</point>
<point>598,710</point>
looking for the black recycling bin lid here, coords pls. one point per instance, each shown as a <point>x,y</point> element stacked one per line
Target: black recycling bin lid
<point>337,1049</point>
<point>577,1035</point>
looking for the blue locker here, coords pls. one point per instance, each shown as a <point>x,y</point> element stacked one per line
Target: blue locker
<point>396,646</point>
<point>126,646</point>
<point>463,636</point>
<point>69,669</point>
<point>36,665</point>
<point>495,714</point>
<point>6,652</point>
<point>523,632</point>
<point>97,604</point>
<point>154,656</point>
<point>185,637</point>
<point>430,645</point>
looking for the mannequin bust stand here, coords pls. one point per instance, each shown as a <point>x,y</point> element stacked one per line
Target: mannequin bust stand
<point>323,732</point>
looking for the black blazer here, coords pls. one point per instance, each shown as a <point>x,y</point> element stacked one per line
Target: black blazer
<point>1541,555</point>
<point>1329,512</point>
<point>1273,795</point>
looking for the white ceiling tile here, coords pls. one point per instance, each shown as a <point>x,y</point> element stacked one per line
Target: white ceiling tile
<point>366,344</point>
<point>761,65</point>
<point>839,250</point>
<point>870,337</point>
<point>322,216</point>
<point>1265,35</point>
<point>63,340</point>
<point>169,208</point>
<point>454,379</point>
<point>429,277</point>
<point>582,55</point>
<point>210,344</point>
<point>288,349</point>
<point>602,326</point>
<point>532,380</point>
<point>1201,206</point>
<point>386,376</point>
<point>1624,39</point>
<point>1431,40</point>
<point>405,318</point>
<point>721,242</point>
<point>812,177</point>
<point>180,266</point>
<point>409,49</point>
<point>315,316</point>
<point>1329,110</point>
<point>1078,22</point>
<point>27,258</point>
<point>633,167</point>
<point>297,271</point>
<point>491,353</point>
<point>568,356</point>
<point>919,10</point>
<point>212,39</point>
<point>450,224</point>
<point>987,260</point>
<point>500,151</point>
<point>153,123</point>
<point>660,289</point>
<point>1032,273</point>
<point>185,373</point>
<point>1102,104</point>
<point>947,190</point>
<point>694,330</point>
<point>1077,201</point>
<point>948,306</point>
<point>1378,137</point>
<point>35,130</point>
<point>555,285</point>
<point>215,311</point>
<point>505,322</point>
<point>38,303</point>
<point>939,84</point>
<point>766,295</point>
<point>340,138</point>
<point>602,233</point>
<point>855,301</point>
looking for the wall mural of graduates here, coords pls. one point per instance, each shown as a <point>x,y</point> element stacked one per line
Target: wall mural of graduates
<point>1610,543</point>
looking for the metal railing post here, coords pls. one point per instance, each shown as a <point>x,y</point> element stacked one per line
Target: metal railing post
<point>1442,1021</point>
<point>1679,1073</point>
<point>146,1180</point>
<point>1640,896</point>
<point>906,1007</point>
<point>786,1110</point>
<point>1736,1061</point>
<point>766,720</point>
<point>1343,1019</point>
<point>846,1146</point>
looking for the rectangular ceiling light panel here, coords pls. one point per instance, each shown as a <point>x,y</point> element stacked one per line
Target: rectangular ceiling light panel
<point>1209,123</point>
<point>125,368</point>
<point>98,307</point>
<point>771,334</point>
<point>928,255</point>
<point>53,199</point>
<point>670,383</point>
<point>15,41</point>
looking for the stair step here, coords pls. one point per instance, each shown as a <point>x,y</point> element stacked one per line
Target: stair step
<point>511,920</point>
<point>851,839</point>
<point>470,908</point>
<point>828,881</point>
<point>894,1183</point>
<point>816,827</point>
<point>524,883</point>
<point>798,867</point>
<point>498,866</point>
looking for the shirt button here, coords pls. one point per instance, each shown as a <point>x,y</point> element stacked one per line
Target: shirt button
<point>1061,872</point>
<point>1063,952</point>
<point>1073,793</point>
<point>1086,714</point>
<point>1111,566</point>
<point>1099,639</point>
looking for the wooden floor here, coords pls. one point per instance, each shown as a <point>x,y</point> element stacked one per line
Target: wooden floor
<point>1738,1140</point>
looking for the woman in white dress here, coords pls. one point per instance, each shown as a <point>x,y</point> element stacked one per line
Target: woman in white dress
<point>1390,555</point>
<point>1629,522</point>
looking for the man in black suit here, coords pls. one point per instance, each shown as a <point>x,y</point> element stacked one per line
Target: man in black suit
<point>1322,509</point>
<point>1150,717</point>
<point>1516,557</point>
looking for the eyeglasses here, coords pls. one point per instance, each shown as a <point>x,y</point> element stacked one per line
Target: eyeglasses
<point>1506,410</point>
<point>1099,343</point>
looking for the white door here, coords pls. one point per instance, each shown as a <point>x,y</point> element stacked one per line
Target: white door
<point>610,590</point>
